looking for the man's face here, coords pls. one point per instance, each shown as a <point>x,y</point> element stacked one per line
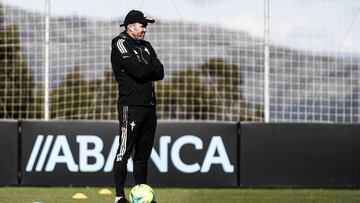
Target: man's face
<point>137,31</point>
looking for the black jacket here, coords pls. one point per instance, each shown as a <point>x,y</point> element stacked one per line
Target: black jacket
<point>135,66</point>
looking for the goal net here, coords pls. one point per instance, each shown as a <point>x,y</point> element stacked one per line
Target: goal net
<point>212,51</point>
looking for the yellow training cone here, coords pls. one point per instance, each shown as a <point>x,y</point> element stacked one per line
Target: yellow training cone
<point>105,191</point>
<point>79,196</point>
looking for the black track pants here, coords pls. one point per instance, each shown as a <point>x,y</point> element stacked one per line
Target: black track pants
<point>137,131</point>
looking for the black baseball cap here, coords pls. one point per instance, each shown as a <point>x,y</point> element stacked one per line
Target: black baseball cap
<point>135,16</point>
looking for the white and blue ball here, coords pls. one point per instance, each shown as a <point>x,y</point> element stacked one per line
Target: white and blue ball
<point>142,193</point>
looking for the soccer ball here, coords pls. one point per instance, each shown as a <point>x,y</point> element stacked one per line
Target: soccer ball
<point>142,193</point>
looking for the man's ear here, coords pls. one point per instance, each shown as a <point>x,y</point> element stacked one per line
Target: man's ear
<point>130,27</point>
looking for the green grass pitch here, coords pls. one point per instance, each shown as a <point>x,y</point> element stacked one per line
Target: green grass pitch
<point>183,195</point>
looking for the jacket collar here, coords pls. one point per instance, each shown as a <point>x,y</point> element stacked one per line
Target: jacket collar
<point>127,36</point>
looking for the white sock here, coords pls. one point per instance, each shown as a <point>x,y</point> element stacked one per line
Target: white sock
<point>117,198</point>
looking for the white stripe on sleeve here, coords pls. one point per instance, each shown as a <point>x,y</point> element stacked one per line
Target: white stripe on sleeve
<point>121,47</point>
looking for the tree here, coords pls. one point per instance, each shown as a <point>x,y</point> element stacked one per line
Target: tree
<point>16,84</point>
<point>105,99</point>
<point>211,91</point>
<point>79,98</point>
<point>72,98</point>
<point>185,97</point>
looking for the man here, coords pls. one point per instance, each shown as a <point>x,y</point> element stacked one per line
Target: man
<point>136,67</point>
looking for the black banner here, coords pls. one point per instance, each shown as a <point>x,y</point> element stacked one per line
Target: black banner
<point>188,154</point>
<point>82,153</point>
<point>67,153</point>
<point>198,154</point>
<point>300,155</point>
<point>9,152</point>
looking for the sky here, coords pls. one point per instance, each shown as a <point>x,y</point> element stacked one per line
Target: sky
<point>315,25</point>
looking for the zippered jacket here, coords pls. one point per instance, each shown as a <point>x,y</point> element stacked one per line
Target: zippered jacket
<point>136,67</point>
